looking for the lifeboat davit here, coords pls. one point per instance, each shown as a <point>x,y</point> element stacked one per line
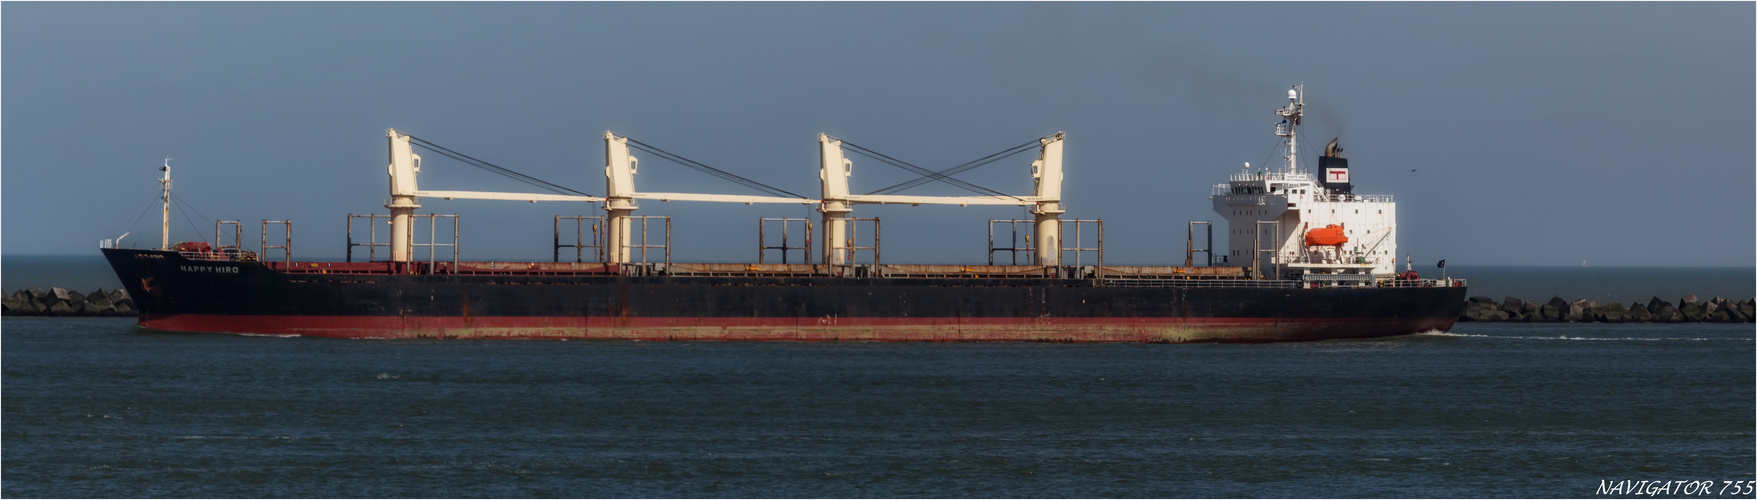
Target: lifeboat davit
<point>1327,236</point>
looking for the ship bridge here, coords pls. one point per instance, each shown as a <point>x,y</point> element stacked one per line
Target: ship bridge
<point>1291,224</point>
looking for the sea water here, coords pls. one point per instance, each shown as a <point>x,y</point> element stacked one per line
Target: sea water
<point>95,407</point>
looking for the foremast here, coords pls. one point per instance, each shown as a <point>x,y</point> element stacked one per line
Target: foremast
<point>165,222</point>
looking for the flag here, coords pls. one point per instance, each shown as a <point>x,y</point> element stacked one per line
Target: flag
<point>1442,264</point>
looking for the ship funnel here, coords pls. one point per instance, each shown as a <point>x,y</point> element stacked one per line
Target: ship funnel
<point>1335,169</point>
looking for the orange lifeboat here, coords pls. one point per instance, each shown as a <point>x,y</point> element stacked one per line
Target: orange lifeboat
<point>1327,236</point>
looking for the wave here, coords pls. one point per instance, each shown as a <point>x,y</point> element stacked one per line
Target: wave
<point>1641,339</point>
<point>1436,333</point>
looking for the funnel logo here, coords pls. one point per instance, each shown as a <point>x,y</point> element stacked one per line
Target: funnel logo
<point>1336,175</point>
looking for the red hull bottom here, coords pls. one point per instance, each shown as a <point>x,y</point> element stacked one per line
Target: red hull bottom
<point>1175,330</point>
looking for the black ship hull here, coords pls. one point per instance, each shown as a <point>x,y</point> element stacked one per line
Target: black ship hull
<point>174,292</point>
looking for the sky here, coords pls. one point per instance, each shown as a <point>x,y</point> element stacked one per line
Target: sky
<point>1618,134</point>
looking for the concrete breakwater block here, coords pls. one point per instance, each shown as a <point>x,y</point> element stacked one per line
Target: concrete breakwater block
<point>1688,309</point>
<point>61,302</point>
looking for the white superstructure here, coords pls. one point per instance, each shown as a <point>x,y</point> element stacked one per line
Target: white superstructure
<point>1274,217</point>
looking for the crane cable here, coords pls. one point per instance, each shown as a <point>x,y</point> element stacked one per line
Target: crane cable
<point>180,208</point>
<point>926,175</point>
<point>497,169</point>
<point>149,206</point>
<point>179,200</point>
<point>945,175</point>
<point>699,166</point>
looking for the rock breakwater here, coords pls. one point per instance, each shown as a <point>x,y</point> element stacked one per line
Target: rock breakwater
<point>1688,309</point>
<point>57,301</point>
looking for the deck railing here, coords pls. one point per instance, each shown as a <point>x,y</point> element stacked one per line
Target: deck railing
<point>1270,176</point>
<point>1249,283</point>
<point>1351,198</point>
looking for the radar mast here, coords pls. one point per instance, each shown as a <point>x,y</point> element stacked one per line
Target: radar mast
<point>1296,104</point>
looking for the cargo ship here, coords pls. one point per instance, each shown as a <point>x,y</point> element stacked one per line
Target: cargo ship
<point>1306,259</point>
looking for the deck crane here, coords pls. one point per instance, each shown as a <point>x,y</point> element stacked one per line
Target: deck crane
<point>619,171</point>
<point>834,169</point>
<point>1045,201</point>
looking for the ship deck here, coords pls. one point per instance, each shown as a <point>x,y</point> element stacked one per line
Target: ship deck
<point>1119,276</point>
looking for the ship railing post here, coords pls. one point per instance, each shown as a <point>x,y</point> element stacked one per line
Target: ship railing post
<point>432,238</point>
<point>601,238</point>
<point>850,251</point>
<point>1064,248</point>
<point>287,247</point>
<point>372,251</point>
<point>786,247</point>
<point>349,255</point>
<point>1190,246</point>
<point>1256,251</point>
<point>237,246</point>
<point>1012,247</point>
<point>579,239</point>
<point>1209,248</point>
